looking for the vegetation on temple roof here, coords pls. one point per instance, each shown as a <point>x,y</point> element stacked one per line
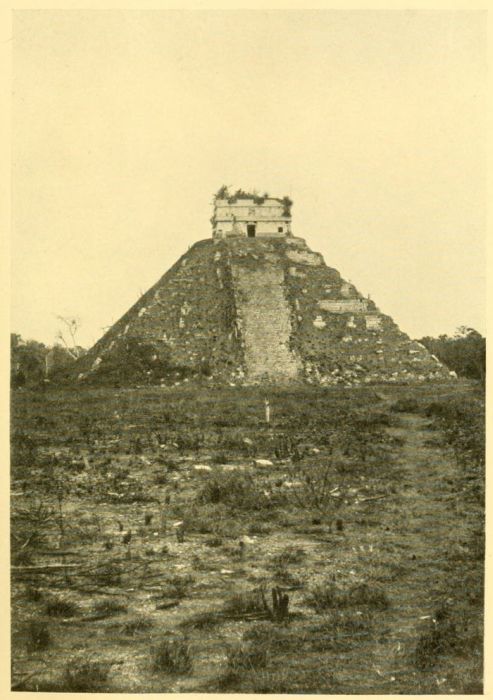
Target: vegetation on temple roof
<point>224,193</point>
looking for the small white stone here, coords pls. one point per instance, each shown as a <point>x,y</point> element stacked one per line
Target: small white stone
<point>263,463</point>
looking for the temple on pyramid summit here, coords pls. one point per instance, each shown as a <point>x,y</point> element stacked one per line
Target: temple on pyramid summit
<point>252,304</point>
<point>250,215</point>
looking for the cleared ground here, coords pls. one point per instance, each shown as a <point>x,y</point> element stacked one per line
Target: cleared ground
<point>150,527</point>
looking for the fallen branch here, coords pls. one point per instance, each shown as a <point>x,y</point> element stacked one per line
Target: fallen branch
<point>21,682</point>
<point>28,540</point>
<point>374,498</point>
<point>57,552</point>
<point>43,567</point>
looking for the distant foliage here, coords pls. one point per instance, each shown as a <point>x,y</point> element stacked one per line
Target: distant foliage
<point>463,426</point>
<point>28,360</point>
<point>464,353</point>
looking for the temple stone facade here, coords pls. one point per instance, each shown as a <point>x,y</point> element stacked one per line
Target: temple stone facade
<point>250,216</point>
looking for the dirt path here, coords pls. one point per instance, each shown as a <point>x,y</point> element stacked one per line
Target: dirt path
<point>422,524</point>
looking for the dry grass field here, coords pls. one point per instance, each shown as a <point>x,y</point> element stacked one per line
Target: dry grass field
<point>170,540</point>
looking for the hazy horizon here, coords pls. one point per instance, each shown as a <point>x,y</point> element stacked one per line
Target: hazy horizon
<point>125,123</point>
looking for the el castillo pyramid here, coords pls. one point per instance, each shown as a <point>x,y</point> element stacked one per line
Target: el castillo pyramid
<point>253,303</point>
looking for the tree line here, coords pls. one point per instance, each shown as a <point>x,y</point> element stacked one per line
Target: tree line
<point>464,352</point>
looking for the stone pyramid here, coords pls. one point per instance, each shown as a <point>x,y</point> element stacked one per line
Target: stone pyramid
<point>237,309</point>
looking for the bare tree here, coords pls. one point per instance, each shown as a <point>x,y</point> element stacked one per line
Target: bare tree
<point>68,334</point>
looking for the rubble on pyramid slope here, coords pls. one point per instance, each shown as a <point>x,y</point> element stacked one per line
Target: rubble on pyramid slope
<point>183,326</point>
<point>243,310</point>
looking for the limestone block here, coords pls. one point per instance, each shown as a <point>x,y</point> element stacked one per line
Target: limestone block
<point>294,272</point>
<point>343,306</point>
<point>306,257</point>
<point>347,289</point>
<point>296,242</point>
<point>319,322</point>
<point>373,322</point>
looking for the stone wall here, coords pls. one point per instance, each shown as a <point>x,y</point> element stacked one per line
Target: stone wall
<point>232,218</point>
<point>343,306</point>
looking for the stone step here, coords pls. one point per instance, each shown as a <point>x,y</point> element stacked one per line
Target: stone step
<point>264,319</point>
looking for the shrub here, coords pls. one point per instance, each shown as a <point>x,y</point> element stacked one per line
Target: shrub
<point>235,490</point>
<point>215,541</point>
<point>328,594</point>
<point>440,637</point>
<point>61,608</point>
<point>245,603</point>
<point>340,629</point>
<point>267,635</point>
<point>190,440</point>
<point>24,450</point>
<point>109,607</point>
<point>289,555</point>
<point>178,586</point>
<point>314,483</point>
<point>211,519</point>
<point>244,657</point>
<point>172,655</point>
<point>108,575</point>
<point>283,576</point>
<point>138,624</point>
<point>258,528</point>
<point>37,635</point>
<point>29,528</point>
<point>22,558</point>
<point>219,458</point>
<point>405,405</point>
<point>322,596</point>
<point>203,620</point>
<point>90,677</point>
<point>33,594</point>
<point>364,594</point>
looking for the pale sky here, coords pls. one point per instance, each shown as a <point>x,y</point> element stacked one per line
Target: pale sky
<point>126,122</point>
